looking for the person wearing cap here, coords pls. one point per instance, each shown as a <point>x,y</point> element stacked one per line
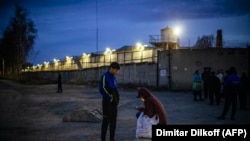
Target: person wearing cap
<point>152,106</point>
<point>110,100</point>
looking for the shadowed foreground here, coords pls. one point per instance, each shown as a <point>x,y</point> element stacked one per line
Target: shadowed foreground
<point>36,112</point>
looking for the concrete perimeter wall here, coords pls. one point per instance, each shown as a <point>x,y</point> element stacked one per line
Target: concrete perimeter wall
<point>184,62</point>
<point>175,68</point>
<point>134,73</point>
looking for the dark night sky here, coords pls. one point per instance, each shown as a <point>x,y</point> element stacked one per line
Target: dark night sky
<point>68,27</point>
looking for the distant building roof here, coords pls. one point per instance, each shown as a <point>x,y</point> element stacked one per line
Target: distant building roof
<point>125,48</point>
<point>129,48</point>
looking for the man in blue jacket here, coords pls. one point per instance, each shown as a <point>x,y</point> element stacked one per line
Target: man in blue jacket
<point>110,99</point>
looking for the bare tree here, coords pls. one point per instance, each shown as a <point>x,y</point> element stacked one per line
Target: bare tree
<point>206,41</point>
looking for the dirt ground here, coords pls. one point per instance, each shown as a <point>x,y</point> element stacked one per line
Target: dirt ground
<point>35,112</point>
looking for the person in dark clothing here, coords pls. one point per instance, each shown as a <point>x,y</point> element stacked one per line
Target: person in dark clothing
<point>224,78</point>
<point>243,91</point>
<point>231,88</point>
<point>110,100</point>
<point>59,83</point>
<point>152,106</point>
<point>206,75</point>
<point>215,89</point>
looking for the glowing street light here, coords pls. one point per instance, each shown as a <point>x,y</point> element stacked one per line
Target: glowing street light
<point>68,61</point>
<point>68,58</point>
<point>177,32</point>
<point>34,67</point>
<point>56,62</point>
<point>140,48</point>
<point>85,57</point>
<point>109,52</point>
<point>39,66</point>
<point>46,64</point>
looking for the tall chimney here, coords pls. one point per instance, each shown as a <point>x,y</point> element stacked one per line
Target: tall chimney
<point>219,40</point>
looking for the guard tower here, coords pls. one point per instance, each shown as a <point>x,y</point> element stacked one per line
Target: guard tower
<point>167,40</point>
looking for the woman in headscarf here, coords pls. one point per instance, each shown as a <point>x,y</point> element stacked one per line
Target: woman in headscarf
<point>152,105</point>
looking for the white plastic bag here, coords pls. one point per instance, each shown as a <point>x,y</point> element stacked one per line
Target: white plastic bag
<point>144,125</point>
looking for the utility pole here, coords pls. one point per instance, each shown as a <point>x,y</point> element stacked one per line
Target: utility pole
<point>97,55</point>
<point>97,28</point>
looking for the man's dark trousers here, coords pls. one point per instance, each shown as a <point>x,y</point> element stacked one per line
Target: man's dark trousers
<point>109,119</point>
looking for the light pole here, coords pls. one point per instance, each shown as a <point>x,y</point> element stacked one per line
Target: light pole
<point>96,59</point>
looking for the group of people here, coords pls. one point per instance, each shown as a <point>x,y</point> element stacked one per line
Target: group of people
<point>208,84</point>
<point>229,85</point>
